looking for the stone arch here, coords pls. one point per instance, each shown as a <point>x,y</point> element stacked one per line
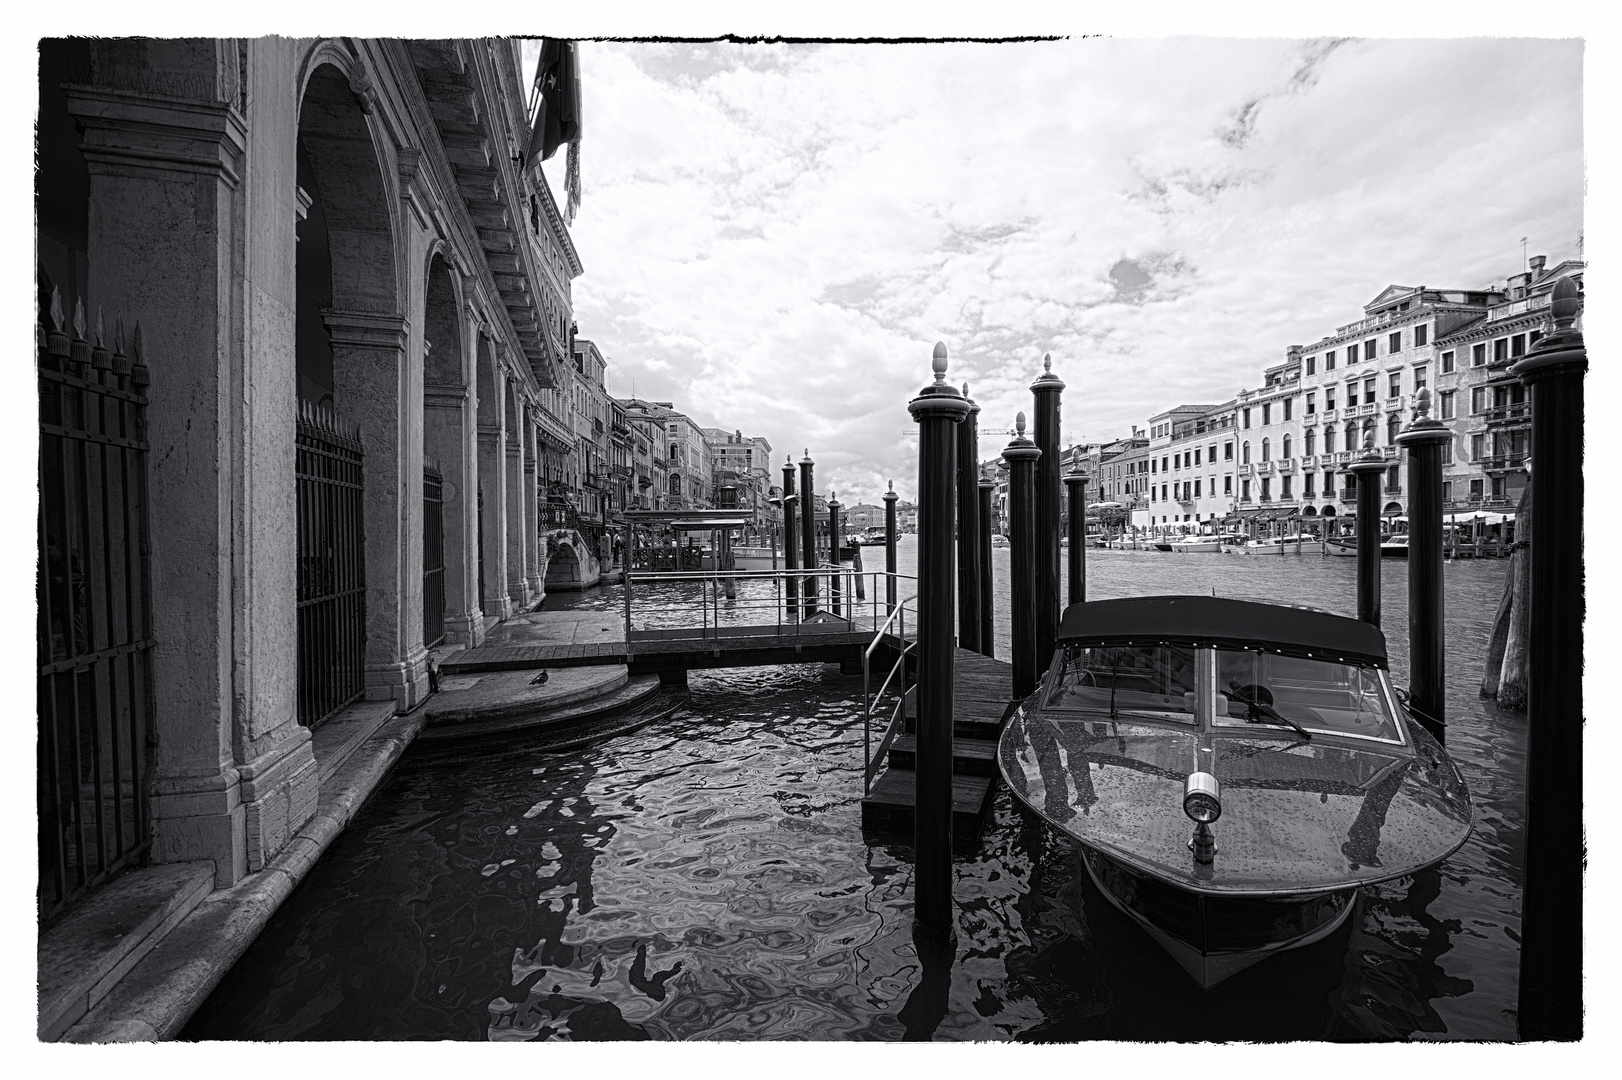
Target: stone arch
<point>1392,509</point>
<point>448,441</point>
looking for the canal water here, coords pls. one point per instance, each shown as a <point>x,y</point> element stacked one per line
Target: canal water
<point>707,878</point>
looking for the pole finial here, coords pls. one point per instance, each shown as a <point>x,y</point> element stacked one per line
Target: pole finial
<point>1368,436</point>
<point>1422,403</point>
<point>1563,304</point>
<point>938,363</point>
<point>892,485</point>
<point>965,389</point>
<point>1019,425</point>
<point>1047,363</point>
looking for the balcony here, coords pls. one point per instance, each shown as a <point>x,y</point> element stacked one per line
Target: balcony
<point>1519,412</point>
<point>1503,462</point>
<point>1247,470</point>
<point>1476,502</point>
<point>1347,495</point>
<point>1264,468</point>
<point>1329,415</point>
<point>1287,465</point>
<point>1394,404</point>
<point>1393,489</point>
<point>1186,499</point>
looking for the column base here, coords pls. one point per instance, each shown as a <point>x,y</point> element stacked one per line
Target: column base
<point>202,817</point>
<point>406,682</point>
<point>499,608</point>
<point>466,629</point>
<point>280,790</point>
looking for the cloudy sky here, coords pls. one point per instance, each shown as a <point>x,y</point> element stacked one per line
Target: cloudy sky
<point>775,235</point>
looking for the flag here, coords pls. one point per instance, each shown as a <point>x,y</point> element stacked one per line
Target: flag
<point>557,117</point>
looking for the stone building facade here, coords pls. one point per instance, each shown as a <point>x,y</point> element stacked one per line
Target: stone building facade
<point>344,225</point>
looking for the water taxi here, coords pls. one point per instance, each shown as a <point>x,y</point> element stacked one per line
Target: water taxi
<point>1204,543</point>
<point>1391,547</point>
<point>1233,771</point>
<point>1299,544</point>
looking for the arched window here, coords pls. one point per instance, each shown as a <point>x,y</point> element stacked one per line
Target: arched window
<point>1286,453</point>
<point>1311,437</point>
<point>675,485</point>
<point>1354,441</point>
<point>1265,456</point>
<point>1244,452</point>
<point>1329,440</point>
<point>1392,427</point>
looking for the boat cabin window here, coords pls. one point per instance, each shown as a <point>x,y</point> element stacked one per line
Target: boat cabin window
<point>1156,681</point>
<point>1319,695</point>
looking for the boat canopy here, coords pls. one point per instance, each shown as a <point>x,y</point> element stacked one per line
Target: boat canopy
<point>1224,623</point>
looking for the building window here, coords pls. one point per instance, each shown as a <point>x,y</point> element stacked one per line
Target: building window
<point>1312,405</point>
<point>1284,486</point>
<point>1329,399</point>
<point>1196,487</point>
<point>1447,491</point>
<point>1310,438</point>
<point>1154,466</point>
<point>1395,390</point>
<point>1267,414</point>
<point>1351,437</point>
<point>1392,426</point>
<point>1245,455</point>
<point>1475,489</point>
<point>1329,440</point>
<point>1307,479</point>
<point>1286,447</point>
<point>1227,483</point>
<point>1329,360</point>
<point>1447,452</point>
<point>1351,354</point>
<point>1394,346</point>
<point>1227,451</point>
<point>1265,456</point>
<point>1368,349</point>
<point>1368,390</point>
<point>1244,491</point>
<point>1165,463</point>
<point>1421,334</point>
<point>1287,403</point>
<point>1245,422</point>
<point>1478,447</point>
<point>1447,404</point>
<point>1196,455</point>
<point>1517,345</point>
<point>1267,489</point>
<point>1312,365</point>
<point>1478,399</point>
<point>1163,492</point>
<point>1478,354</point>
<point>1351,395</point>
<point>1500,350</point>
<point>1419,379</point>
<point>1447,362</point>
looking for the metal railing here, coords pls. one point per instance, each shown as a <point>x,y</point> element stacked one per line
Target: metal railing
<point>897,622</point>
<point>433,558</point>
<point>94,595</point>
<point>750,603</point>
<point>331,566</point>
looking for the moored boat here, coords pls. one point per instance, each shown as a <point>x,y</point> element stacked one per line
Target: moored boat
<point>1299,544</point>
<point>1234,771</point>
<point>1392,547</point>
<point>1203,543</point>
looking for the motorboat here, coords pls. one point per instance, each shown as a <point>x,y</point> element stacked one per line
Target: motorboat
<point>1299,544</point>
<point>1394,547</point>
<point>1342,546</point>
<point>999,540</point>
<point>1233,771</point>
<point>1204,543</point>
<point>1161,543</point>
<point>1391,547</point>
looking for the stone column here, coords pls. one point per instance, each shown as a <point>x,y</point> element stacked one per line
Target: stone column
<point>493,482</point>
<point>517,540</point>
<point>447,426</point>
<point>233,771</point>
<point>534,556</point>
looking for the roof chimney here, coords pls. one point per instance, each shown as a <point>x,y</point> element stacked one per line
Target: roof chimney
<point>1537,262</point>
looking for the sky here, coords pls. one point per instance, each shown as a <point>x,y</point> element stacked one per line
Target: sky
<point>775,236</point>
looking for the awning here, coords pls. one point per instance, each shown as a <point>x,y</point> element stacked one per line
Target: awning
<point>1224,623</point>
<point>690,519</point>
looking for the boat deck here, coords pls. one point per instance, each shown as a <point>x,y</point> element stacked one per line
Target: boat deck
<point>982,700</point>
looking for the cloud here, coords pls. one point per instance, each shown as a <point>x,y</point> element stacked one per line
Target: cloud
<point>777,235</point>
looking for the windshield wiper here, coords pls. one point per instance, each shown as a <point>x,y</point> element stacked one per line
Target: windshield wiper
<point>1256,711</point>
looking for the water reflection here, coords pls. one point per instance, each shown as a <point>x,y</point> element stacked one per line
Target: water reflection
<point>707,878</point>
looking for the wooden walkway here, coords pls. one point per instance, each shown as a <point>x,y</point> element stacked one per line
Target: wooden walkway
<point>982,700</point>
<point>664,656</point>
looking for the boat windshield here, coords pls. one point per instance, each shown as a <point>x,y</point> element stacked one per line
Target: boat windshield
<point>1319,695</point>
<point>1140,680</point>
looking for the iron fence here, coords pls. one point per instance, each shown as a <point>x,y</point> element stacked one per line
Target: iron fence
<point>94,650</point>
<point>331,566</point>
<point>433,557</point>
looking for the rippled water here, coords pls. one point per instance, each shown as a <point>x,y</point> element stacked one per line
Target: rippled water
<point>707,878</point>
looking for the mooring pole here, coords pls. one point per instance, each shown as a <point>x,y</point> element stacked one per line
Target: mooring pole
<point>791,544</point>
<point>1427,643</point>
<point>1046,389</point>
<point>1075,482</point>
<point>834,592</point>
<point>988,625</point>
<point>890,498</point>
<point>1021,455</point>
<point>1551,999</point>
<point>1368,469</point>
<point>968,527</point>
<point>808,534</point>
<point>936,408</point>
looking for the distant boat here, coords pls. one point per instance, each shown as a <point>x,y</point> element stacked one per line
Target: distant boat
<point>999,540</point>
<point>1233,771</point>
<point>1204,544</point>
<point>1299,544</point>
<point>1392,547</point>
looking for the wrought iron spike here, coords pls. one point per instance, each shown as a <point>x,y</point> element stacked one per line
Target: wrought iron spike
<point>118,337</point>
<point>78,318</point>
<point>56,309</point>
<point>135,346</point>
<point>100,335</point>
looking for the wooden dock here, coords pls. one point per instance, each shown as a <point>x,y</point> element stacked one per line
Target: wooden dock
<point>665,656</point>
<point>982,701</point>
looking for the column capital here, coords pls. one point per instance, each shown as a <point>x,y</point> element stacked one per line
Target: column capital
<point>366,329</point>
<point>137,130</point>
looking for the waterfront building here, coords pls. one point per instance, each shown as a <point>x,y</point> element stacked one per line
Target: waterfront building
<point>1271,480</point>
<point>353,291</point>
<point>1182,448</point>
<point>743,463</point>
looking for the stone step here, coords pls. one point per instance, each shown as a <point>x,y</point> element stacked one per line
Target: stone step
<point>636,690</point>
<point>970,757</point>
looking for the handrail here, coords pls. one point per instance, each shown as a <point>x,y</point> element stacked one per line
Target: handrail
<point>870,700</point>
<point>729,597</point>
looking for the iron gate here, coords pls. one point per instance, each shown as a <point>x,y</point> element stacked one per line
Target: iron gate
<point>94,596</point>
<point>331,567</point>
<point>433,557</point>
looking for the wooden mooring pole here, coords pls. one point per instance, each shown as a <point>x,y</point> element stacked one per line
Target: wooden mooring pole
<point>1075,482</point>
<point>1551,997</point>
<point>1368,470</point>
<point>968,527</point>
<point>1427,642</point>
<point>1021,455</point>
<point>936,409</point>
<point>890,498</point>
<point>835,599</point>
<point>1046,390</point>
<point>988,640</point>
<point>808,535</point>
<point>791,544</point>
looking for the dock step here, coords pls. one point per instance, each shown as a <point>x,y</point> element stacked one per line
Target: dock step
<point>888,807</point>
<point>635,691</point>
<point>970,757</point>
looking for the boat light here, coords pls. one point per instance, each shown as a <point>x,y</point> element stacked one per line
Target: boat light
<point>1202,798</point>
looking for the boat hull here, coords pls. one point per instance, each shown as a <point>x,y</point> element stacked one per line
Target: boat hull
<point>1198,547</point>
<point>1349,550</point>
<point>1213,938</point>
<point>1293,547</point>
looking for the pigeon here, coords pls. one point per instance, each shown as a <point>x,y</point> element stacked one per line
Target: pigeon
<point>540,679</point>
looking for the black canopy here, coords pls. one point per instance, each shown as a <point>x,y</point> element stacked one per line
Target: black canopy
<point>1224,623</point>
